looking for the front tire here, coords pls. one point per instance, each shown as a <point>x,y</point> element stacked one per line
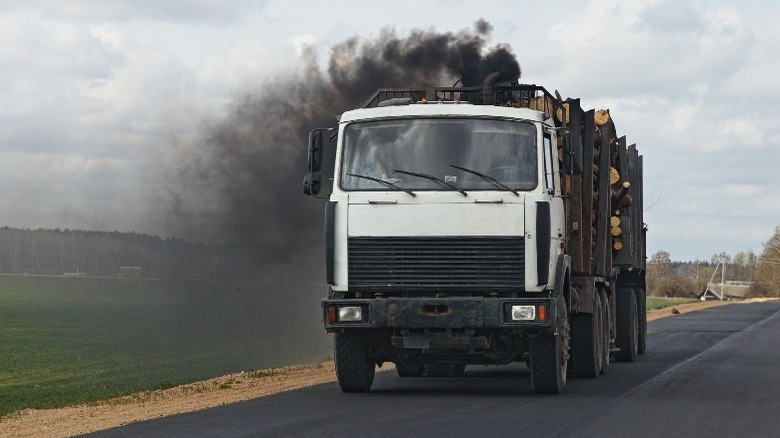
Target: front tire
<point>354,369</point>
<point>586,341</point>
<point>549,357</point>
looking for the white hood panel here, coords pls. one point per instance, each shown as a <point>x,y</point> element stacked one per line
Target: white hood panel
<point>461,219</point>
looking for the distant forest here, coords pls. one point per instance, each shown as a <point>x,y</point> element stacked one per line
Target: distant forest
<point>117,254</point>
<point>112,254</point>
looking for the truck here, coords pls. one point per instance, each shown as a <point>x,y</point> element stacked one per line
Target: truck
<point>480,225</point>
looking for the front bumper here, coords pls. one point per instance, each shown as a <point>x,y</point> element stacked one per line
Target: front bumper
<point>442,313</point>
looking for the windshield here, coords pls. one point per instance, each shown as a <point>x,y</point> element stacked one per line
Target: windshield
<point>481,150</point>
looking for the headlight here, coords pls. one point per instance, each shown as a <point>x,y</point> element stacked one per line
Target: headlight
<point>523,313</point>
<point>350,314</point>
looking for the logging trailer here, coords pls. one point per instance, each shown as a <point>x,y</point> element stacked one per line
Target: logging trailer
<point>477,226</point>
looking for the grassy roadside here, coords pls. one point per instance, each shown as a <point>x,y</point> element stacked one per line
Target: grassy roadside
<point>77,340</point>
<point>654,303</point>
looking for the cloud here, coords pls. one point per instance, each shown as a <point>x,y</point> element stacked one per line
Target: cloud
<point>241,66</point>
<point>217,12</point>
<point>93,93</point>
<point>620,48</point>
<point>671,16</point>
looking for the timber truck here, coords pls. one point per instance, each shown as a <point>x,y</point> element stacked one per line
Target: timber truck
<point>481,225</point>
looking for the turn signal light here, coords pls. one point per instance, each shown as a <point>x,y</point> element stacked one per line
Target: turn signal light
<point>542,313</point>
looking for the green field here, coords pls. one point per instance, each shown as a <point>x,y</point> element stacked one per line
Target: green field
<point>71,340</point>
<point>660,302</point>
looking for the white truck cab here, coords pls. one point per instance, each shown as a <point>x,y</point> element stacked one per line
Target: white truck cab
<point>461,230</point>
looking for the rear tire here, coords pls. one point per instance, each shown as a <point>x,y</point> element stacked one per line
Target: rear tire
<point>354,370</point>
<point>627,338</point>
<point>549,357</point>
<point>587,342</point>
<point>606,332</point>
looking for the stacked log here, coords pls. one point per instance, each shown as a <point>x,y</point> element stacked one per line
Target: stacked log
<point>621,198</point>
<point>620,193</point>
<point>601,117</point>
<point>614,176</point>
<point>559,112</point>
<point>620,187</point>
<point>602,121</point>
<point>604,221</point>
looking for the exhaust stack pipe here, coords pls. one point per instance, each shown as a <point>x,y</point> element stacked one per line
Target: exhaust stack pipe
<point>488,88</point>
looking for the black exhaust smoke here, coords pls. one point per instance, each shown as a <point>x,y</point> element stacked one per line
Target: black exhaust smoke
<point>242,184</point>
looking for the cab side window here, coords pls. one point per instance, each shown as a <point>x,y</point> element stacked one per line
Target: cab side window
<point>549,175</point>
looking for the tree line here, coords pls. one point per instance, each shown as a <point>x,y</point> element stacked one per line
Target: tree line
<point>689,279</point>
<point>97,253</point>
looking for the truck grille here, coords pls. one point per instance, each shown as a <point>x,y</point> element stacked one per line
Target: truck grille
<point>468,264</point>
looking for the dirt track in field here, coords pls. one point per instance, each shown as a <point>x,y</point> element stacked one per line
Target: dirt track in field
<point>222,390</point>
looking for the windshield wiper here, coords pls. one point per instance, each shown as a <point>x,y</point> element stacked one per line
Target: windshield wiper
<point>438,181</point>
<point>383,182</point>
<point>496,183</point>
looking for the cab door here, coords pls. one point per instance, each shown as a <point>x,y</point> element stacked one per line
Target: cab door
<point>547,212</point>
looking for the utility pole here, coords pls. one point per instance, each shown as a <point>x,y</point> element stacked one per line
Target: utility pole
<point>722,274</point>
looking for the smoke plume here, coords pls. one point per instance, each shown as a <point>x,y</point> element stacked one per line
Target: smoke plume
<point>244,183</point>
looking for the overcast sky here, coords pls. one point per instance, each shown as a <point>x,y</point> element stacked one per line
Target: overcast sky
<point>98,98</point>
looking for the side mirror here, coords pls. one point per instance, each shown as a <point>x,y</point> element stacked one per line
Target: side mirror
<point>312,184</point>
<point>315,150</point>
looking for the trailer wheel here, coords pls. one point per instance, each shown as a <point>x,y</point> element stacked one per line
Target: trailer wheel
<point>641,301</point>
<point>409,369</point>
<point>606,336</point>
<point>587,342</point>
<point>549,356</point>
<point>627,338</point>
<point>354,369</point>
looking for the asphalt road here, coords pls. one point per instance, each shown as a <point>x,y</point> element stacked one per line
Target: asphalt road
<point>713,373</point>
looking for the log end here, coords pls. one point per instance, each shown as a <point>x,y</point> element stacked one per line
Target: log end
<point>614,176</point>
<point>601,117</point>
